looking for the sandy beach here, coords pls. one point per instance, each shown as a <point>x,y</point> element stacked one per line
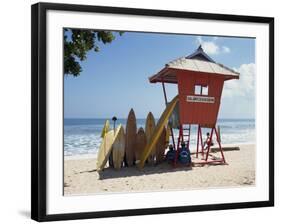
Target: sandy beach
<point>81,177</point>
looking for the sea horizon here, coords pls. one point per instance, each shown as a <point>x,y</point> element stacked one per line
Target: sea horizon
<point>82,135</point>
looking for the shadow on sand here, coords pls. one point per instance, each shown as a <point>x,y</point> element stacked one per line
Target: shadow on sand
<point>164,167</point>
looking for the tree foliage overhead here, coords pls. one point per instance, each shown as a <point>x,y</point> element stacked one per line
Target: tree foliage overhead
<point>78,42</point>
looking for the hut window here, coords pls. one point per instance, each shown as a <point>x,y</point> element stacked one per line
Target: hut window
<point>197,90</point>
<point>205,90</point>
<point>201,90</point>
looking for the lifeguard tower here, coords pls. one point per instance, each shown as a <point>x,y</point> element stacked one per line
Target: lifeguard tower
<point>200,83</point>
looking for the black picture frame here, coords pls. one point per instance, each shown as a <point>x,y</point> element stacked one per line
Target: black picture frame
<point>38,108</point>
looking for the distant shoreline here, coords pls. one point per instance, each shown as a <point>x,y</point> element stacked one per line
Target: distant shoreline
<point>82,136</point>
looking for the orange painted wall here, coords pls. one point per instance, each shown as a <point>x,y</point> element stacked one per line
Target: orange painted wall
<point>197,112</point>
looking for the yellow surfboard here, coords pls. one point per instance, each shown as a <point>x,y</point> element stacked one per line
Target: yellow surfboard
<point>106,148</point>
<point>149,128</point>
<point>105,129</point>
<point>118,150</point>
<point>157,131</point>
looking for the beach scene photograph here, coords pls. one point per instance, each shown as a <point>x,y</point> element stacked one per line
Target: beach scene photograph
<point>156,112</point>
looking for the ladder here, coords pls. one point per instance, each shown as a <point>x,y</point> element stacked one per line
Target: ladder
<point>182,135</point>
<point>181,139</point>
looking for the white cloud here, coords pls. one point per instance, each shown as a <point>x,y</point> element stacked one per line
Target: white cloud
<point>245,85</point>
<point>211,47</point>
<point>225,49</point>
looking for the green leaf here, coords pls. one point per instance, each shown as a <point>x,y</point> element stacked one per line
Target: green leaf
<point>77,43</point>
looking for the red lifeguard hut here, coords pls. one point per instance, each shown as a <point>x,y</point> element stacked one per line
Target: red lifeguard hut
<point>200,83</point>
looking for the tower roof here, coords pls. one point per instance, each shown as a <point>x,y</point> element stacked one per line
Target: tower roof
<point>200,55</point>
<point>198,62</point>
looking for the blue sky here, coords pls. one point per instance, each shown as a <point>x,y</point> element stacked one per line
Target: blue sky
<point>116,78</point>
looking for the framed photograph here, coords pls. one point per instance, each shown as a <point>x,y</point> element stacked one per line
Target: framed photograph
<point>140,111</point>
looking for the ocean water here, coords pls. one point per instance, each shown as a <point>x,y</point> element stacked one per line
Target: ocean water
<point>82,136</point>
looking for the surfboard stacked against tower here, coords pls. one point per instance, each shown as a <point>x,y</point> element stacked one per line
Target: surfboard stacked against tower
<point>149,128</point>
<point>113,142</point>
<point>131,135</point>
<point>141,143</point>
<point>118,148</point>
<point>151,143</point>
<point>105,150</point>
<point>105,129</point>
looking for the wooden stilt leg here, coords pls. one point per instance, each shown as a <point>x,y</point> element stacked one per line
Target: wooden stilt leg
<point>198,139</point>
<point>202,145</point>
<point>182,135</point>
<point>178,145</point>
<point>173,138</point>
<point>222,155</point>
